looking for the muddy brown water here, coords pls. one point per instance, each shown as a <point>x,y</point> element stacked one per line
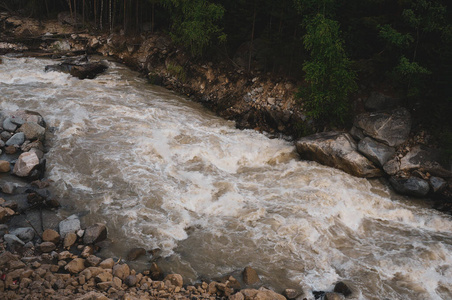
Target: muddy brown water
<point>162,172</point>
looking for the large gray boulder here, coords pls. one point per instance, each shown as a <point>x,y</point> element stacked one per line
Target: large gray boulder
<point>376,152</point>
<point>69,225</point>
<point>338,150</point>
<point>391,128</point>
<point>412,186</point>
<point>427,159</point>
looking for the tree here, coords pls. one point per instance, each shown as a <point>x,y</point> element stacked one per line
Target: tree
<point>328,74</point>
<point>196,24</point>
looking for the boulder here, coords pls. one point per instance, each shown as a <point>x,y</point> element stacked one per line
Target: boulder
<point>107,263</point>
<point>391,128</point>
<point>5,214</point>
<point>16,139</point>
<point>135,253</point>
<point>69,239</point>
<point>175,279</point>
<point>9,125</point>
<point>75,266</point>
<point>250,276</point>
<point>131,280</point>
<point>33,131</point>
<point>391,167</point>
<point>343,288</point>
<point>25,164</point>
<point>69,225</point>
<point>412,186</point>
<point>376,152</point>
<point>81,71</point>
<point>93,261</point>
<point>428,159</point>
<point>338,150</point>
<point>47,247</point>
<point>4,166</point>
<point>121,271</point>
<point>50,235</point>
<point>95,233</point>
<point>26,234</point>
<point>437,184</point>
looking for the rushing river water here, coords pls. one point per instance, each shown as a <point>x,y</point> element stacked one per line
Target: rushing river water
<point>163,172</point>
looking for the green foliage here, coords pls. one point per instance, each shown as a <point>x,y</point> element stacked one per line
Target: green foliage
<point>328,72</point>
<point>410,75</point>
<point>195,24</point>
<point>395,38</point>
<point>176,71</point>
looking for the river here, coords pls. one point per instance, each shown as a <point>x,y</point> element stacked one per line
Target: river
<point>163,172</point>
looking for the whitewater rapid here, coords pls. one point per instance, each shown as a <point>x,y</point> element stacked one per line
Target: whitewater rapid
<point>162,172</point>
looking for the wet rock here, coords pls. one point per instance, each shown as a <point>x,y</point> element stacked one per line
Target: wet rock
<point>93,261</point>
<point>333,296</point>
<point>262,294</point>
<point>75,266</point>
<point>33,131</point>
<point>135,253</point>
<point>107,263</point>
<point>50,235</point>
<point>175,279</point>
<point>25,164</point>
<point>131,280</point>
<point>343,289</point>
<point>426,158</point>
<point>412,186</point>
<point>121,271</point>
<point>156,272</point>
<point>4,166</point>
<point>376,152</point>
<point>339,150</point>
<point>26,234</point>
<point>391,128</point>
<point>95,233</point>
<point>9,125</point>
<point>391,167</point>
<point>69,240</point>
<point>104,277</point>
<point>5,214</point>
<point>69,225</point>
<point>16,139</point>
<point>237,296</point>
<point>7,257</point>
<point>84,71</point>
<point>250,276</point>
<point>291,294</point>
<point>12,240</point>
<point>87,251</point>
<point>437,184</point>
<point>47,247</point>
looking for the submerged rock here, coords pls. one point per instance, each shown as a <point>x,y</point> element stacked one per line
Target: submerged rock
<point>95,233</point>
<point>338,150</point>
<point>250,276</point>
<point>81,71</point>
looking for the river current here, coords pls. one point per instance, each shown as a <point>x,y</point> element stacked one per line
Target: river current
<point>162,172</point>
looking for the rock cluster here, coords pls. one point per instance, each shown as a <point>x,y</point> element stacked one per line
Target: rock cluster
<point>381,146</point>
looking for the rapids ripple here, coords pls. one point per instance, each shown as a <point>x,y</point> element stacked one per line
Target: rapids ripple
<point>163,172</point>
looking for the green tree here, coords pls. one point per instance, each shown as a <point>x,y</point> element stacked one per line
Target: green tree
<point>196,24</point>
<point>328,74</point>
